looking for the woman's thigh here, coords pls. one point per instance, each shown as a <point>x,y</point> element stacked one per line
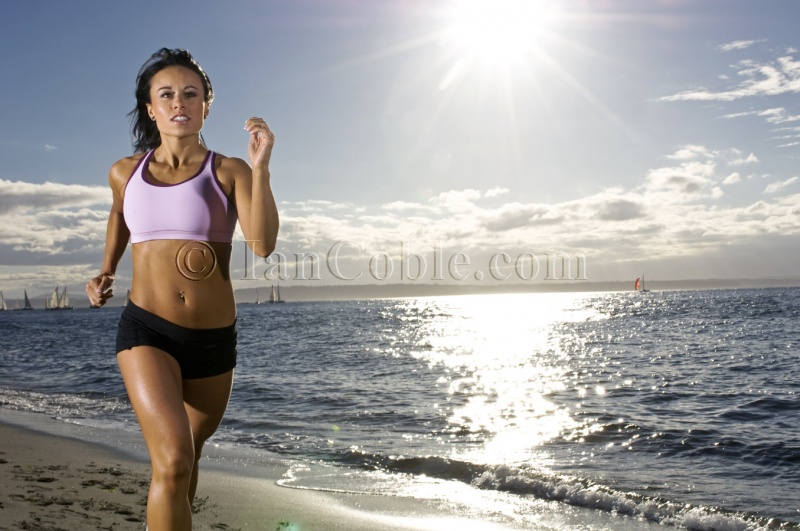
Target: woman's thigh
<point>205,401</point>
<point>153,382</point>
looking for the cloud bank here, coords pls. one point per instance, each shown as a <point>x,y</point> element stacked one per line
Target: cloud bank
<point>676,214</point>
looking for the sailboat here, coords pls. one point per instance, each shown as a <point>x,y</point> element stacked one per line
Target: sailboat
<point>52,302</point>
<point>127,299</point>
<point>58,303</point>
<point>638,285</point>
<point>3,305</point>
<point>27,305</point>
<point>63,301</point>
<point>275,296</point>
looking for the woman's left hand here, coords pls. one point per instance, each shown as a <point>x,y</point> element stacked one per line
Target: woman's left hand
<point>261,141</point>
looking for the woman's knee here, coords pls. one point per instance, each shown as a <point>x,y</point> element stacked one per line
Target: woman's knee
<point>174,464</point>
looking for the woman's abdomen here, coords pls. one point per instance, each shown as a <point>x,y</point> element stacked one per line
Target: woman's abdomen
<point>186,282</point>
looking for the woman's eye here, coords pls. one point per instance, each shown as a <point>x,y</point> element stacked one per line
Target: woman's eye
<point>166,94</point>
<point>191,94</point>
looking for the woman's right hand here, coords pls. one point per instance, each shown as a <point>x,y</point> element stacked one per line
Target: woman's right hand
<point>99,289</point>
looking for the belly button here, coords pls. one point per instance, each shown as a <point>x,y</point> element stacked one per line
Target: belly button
<point>182,296</point>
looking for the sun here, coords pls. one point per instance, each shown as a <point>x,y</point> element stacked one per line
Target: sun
<point>498,33</point>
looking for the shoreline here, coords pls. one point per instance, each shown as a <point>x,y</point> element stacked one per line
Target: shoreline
<point>55,481</point>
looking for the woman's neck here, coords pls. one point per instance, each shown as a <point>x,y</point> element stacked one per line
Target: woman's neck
<point>176,152</point>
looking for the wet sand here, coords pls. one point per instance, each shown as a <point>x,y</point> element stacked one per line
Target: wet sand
<point>51,482</point>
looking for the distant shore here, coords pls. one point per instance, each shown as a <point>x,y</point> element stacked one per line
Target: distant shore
<point>310,293</point>
<point>411,289</point>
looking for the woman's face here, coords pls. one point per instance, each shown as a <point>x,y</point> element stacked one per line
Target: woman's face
<point>177,102</point>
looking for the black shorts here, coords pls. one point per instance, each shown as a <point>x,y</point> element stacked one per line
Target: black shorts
<point>200,353</point>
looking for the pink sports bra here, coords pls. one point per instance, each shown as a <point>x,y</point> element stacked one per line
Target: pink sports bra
<point>195,209</point>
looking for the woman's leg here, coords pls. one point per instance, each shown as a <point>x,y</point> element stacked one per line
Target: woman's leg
<point>153,381</point>
<point>205,400</point>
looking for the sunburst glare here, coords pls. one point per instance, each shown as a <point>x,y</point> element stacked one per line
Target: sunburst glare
<point>498,32</point>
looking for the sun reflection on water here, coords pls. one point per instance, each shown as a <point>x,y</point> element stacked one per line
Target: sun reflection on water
<point>504,359</point>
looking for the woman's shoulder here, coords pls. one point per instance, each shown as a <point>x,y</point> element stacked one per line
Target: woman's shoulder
<point>121,170</point>
<point>230,170</point>
<point>231,164</point>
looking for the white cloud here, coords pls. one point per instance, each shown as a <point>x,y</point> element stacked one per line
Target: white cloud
<point>457,196</point>
<point>691,152</point>
<point>778,186</point>
<point>615,205</point>
<point>315,205</point>
<point>456,200</point>
<point>689,180</point>
<point>495,192</point>
<point>515,215</point>
<point>771,78</point>
<point>403,206</point>
<point>18,196</point>
<point>750,159</point>
<point>737,45</point>
<point>50,147</point>
<point>733,178</point>
<point>775,115</point>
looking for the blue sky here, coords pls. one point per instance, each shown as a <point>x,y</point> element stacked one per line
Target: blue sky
<point>651,136</point>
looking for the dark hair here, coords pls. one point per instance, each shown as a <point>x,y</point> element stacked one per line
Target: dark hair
<point>144,133</point>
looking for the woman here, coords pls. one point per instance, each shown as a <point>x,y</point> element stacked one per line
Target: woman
<point>178,203</point>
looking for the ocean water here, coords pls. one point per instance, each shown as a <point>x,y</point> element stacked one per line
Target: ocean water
<point>675,410</point>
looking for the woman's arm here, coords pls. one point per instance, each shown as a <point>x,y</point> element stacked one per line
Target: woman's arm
<point>117,236</point>
<point>258,214</point>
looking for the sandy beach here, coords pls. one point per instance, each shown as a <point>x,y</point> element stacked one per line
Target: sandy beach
<point>52,482</point>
